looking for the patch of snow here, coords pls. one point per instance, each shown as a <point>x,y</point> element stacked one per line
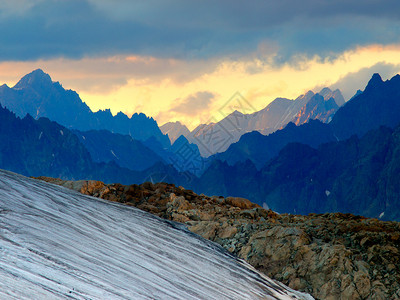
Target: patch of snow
<point>56,243</point>
<point>381,215</point>
<point>61,132</point>
<point>83,137</point>
<point>40,135</point>
<point>112,152</point>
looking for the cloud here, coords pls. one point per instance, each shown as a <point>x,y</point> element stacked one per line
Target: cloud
<point>193,104</point>
<point>180,29</point>
<point>102,75</point>
<point>152,85</point>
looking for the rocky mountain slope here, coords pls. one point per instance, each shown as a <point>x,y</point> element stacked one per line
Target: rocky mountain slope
<point>59,244</point>
<point>36,94</point>
<point>330,256</point>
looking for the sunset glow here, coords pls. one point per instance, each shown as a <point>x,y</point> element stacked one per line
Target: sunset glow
<point>157,86</point>
<point>134,57</point>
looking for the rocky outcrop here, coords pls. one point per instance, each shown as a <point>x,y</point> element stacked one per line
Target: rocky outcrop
<point>331,256</point>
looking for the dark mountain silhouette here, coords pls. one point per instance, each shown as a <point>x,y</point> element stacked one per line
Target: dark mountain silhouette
<point>183,155</point>
<point>357,175</point>
<point>259,148</point>
<point>44,148</point>
<point>126,152</point>
<point>378,105</point>
<point>306,168</point>
<point>221,179</point>
<point>37,95</point>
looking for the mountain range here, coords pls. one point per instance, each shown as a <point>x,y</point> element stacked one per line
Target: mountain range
<point>377,105</point>
<point>308,168</point>
<point>317,166</point>
<point>43,147</point>
<point>217,137</point>
<point>36,94</point>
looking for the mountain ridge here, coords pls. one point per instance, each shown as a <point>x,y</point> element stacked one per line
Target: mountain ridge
<point>39,96</point>
<point>276,115</point>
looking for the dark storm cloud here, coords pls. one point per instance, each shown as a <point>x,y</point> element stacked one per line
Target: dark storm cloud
<point>191,29</point>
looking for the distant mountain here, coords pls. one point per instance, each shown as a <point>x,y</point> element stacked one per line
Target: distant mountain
<point>347,165</point>
<point>126,152</point>
<point>355,175</point>
<point>183,155</point>
<point>37,95</point>
<point>327,93</point>
<point>174,130</point>
<point>221,179</point>
<point>44,148</point>
<point>378,104</point>
<point>217,137</point>
<point>317,108</point>
<point>260,148</point>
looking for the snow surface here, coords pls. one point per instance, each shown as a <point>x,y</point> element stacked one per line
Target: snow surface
<point>56,243</point>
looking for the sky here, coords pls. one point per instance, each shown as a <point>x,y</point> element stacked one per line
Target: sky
<point>182,60</point>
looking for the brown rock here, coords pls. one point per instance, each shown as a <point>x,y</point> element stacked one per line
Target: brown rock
<point>240,202</point>
<point>206,229</point>
<point>228,232</point>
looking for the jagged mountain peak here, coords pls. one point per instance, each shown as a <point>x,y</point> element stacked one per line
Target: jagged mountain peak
<point>174,130</point>
<point>36,79</point>
<point>234,113</point>
<point>324,91</point>
<point>308,94</point>
<point>374,82</point>
<point>376,77</point>
<point>39,96</point>
<point>327,93</point>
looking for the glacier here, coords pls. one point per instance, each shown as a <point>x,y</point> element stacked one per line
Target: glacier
<point>56,243</point>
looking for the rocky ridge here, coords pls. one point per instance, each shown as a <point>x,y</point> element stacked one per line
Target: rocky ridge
<point>330,256</point>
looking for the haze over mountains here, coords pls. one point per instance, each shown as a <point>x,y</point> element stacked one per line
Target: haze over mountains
<point>253,167</point>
